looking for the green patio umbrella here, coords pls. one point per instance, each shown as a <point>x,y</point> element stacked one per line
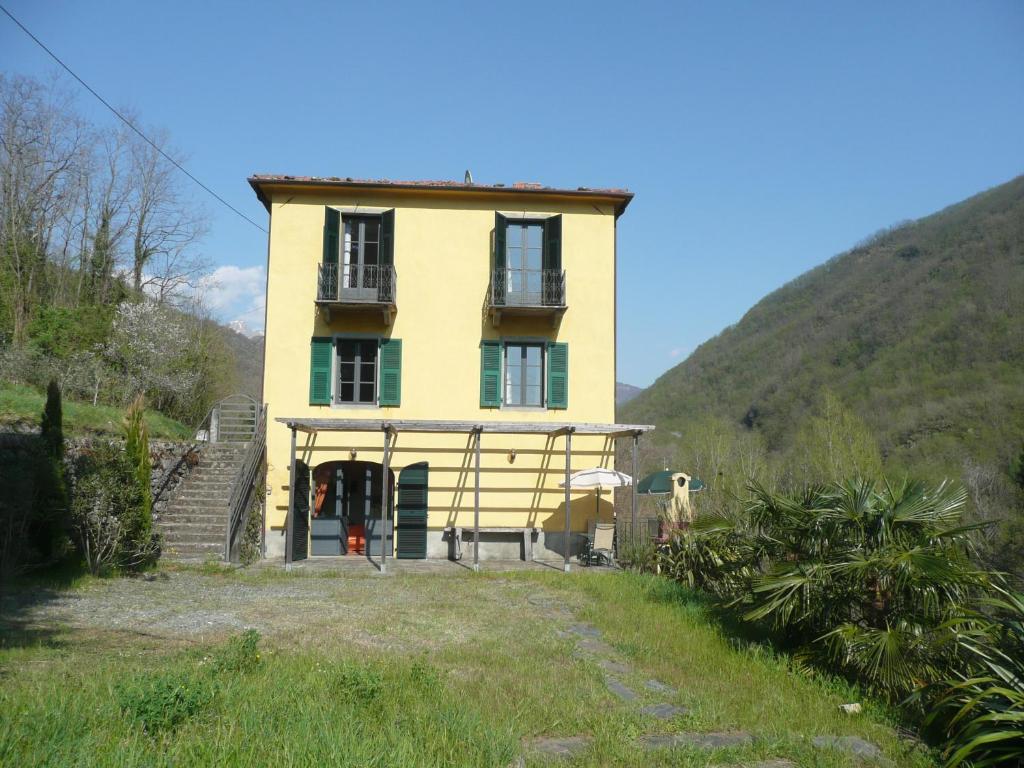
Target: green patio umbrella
<point>660,484</point>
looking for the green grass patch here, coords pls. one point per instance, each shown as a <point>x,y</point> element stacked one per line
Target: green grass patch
<point>413,670</point>
<point>23,404</point>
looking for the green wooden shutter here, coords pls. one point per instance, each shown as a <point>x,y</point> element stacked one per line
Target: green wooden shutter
<point>300,525</point>
<point>490,374</point>
<point>332,229</point>
<point>321,351</point>
<point>498,275</point>
<point>390,372</point>
<point>558,375</point>
<point>412,512</point>
<point>387,237</point>
<point>553,243</point>
<point>500,231</point>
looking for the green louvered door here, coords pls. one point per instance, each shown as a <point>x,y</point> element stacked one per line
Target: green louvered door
<point>412,512</point>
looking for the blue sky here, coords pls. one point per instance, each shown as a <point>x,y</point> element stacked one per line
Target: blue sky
<point>760,138</point>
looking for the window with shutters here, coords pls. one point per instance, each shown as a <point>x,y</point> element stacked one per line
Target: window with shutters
<point>524,374</point>
<point>357,371</point>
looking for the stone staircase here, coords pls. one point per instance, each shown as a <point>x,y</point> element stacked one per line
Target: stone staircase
<point>194,523</point>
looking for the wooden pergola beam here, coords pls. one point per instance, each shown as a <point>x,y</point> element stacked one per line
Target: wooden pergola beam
<point>314,425</point>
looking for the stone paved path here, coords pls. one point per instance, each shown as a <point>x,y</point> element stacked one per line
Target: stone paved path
<point>589,645</point>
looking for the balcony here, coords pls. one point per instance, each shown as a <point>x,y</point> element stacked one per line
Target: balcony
<point>526,293</point>
<point>360,288</point>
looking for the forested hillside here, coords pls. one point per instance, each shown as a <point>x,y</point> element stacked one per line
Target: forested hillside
<point>100,261</point>
<point>915,338</point>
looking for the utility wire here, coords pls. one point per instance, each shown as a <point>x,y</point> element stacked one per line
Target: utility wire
<point>128,122</point>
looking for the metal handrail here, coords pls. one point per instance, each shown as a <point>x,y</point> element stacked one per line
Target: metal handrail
<point>357,283</point>
<point>242,488</point>
<point>205,422</point>
<point>550,288</point>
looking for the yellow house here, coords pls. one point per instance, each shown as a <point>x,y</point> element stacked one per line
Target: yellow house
<point>439,355</point>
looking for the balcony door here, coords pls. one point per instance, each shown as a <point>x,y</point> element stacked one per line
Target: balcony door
<point>360,266</point>
<point>524,264</point>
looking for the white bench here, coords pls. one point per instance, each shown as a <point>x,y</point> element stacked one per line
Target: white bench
<point>458,533</point>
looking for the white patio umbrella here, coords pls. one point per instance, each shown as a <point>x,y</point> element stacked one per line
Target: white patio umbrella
<point>599,478</point>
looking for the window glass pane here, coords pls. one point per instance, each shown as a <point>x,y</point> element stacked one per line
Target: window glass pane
<point>366,373</point>
<point>346,371</point>
<point>532,396</point>
<point>368,351</point>
<point>534,236</point>
<point>533,354</point>
<point>370,253</point>
<point>371,233</point>
<point>514,259</point>
<point>366,393</point>
<point>514,235</point>
<point>515,396</point>
<point>347,351</point>
<point>346,393</point>
<point>533,258</point>
<point>533,376</point>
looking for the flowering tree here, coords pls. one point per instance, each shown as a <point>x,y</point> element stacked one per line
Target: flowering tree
<point>149,347</point>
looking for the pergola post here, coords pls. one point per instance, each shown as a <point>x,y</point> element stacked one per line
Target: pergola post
<point>636,441</point>
<point>476,504</point>
<point>384,499</point>
<point>568,514</point>
<point>290,527</point>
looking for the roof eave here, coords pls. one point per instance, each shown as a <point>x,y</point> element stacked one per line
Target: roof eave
<point>620,199</point>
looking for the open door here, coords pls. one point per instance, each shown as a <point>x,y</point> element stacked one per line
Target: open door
<point>412,511</point>
<point>300,522</point>
<point>374,531</point>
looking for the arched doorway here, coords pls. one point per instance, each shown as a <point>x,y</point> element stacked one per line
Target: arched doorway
<point>345,518</point>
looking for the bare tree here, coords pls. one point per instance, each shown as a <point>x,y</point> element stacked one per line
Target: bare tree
<point>166,223</point>
<point>43,146</point>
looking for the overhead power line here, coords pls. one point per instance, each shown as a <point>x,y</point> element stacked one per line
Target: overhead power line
<point>128,122</point>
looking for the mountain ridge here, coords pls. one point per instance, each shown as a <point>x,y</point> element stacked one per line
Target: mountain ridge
<point>919,329</point>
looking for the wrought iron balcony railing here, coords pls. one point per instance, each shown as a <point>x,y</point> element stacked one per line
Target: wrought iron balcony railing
<point>357,284</point>
<point>528,288</point>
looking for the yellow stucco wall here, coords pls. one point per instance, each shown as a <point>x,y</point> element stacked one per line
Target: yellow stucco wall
<point>442,257</point>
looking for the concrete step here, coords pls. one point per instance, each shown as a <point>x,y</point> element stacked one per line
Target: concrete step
<point>193,552</point>
<point>212,538</point>
<point>193,517</point>
<point>199,496</point>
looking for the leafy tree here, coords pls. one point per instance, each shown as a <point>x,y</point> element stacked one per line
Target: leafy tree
<point>832,443</point>
<point>50,497</point>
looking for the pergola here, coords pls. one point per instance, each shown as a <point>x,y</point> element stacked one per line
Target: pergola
<point>474,428</point>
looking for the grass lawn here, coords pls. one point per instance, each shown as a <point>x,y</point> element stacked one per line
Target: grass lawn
<point>404,670</point>
<point>19,404</point>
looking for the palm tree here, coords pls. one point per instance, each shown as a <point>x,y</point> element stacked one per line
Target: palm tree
<point>859,577</point>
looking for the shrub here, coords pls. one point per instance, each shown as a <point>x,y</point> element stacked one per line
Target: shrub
<point>359,682</point>
<point>241,654</point>
<point>250,549</point>
<point>162,702</point>
<point>855,577</point>
<point>639,554</point>
<point>107,510</point>
<point>981,711</point>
